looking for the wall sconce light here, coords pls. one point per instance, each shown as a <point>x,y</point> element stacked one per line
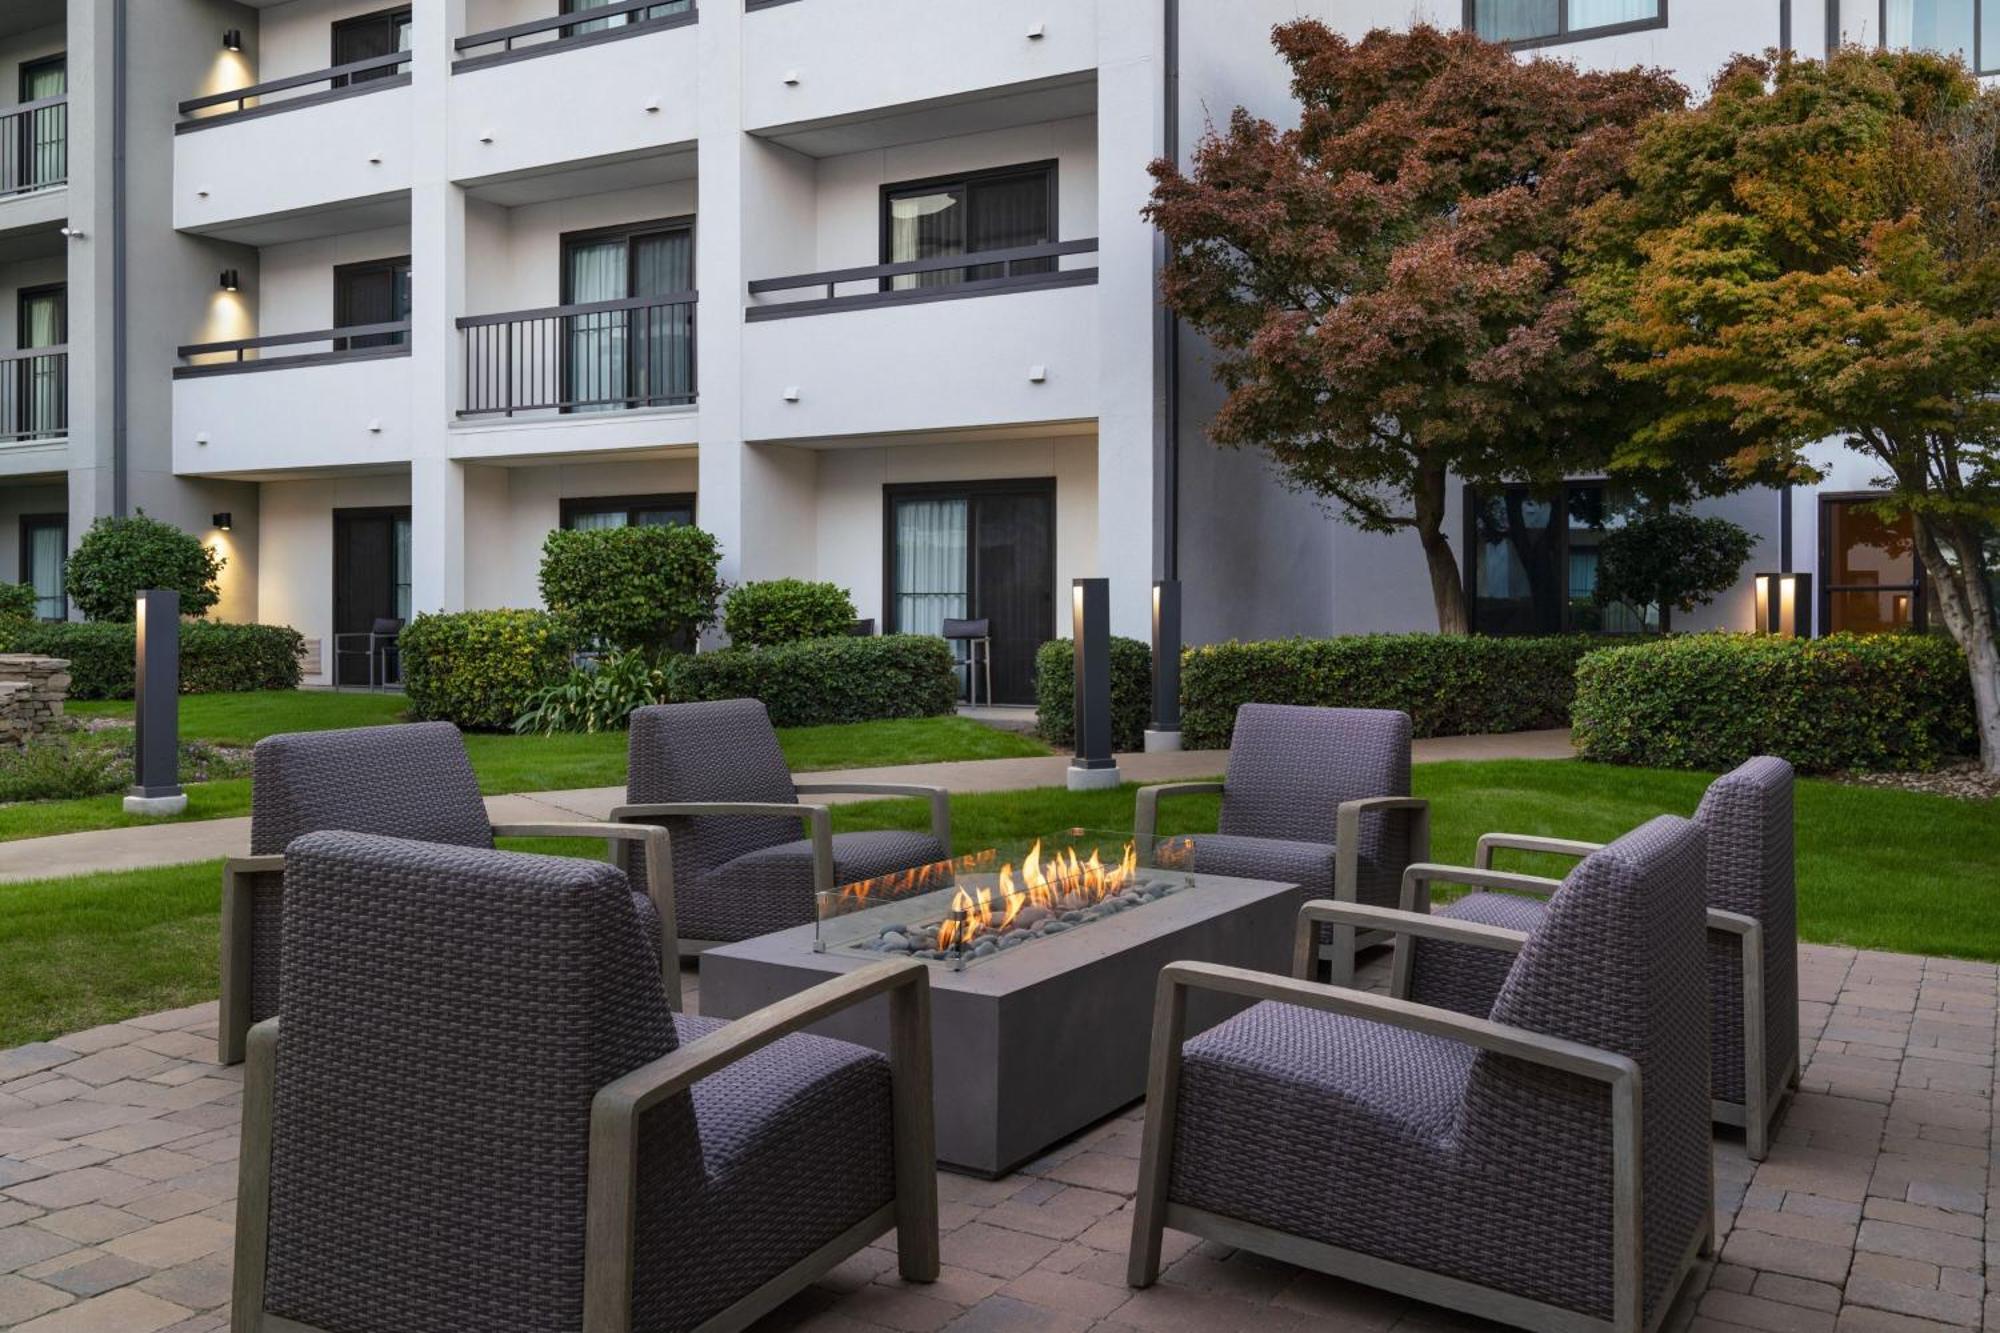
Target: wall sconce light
<point>231,280</point>
<point>1784,604</point>
<point>220,520</point>
<point>232,39</point>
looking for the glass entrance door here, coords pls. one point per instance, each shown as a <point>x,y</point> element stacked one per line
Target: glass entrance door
<point>371,579</point>
<point>640,357</point>
<point>41,405</point>
<point>43,147</point>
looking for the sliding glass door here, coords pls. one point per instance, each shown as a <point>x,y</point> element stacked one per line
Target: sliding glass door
<point>369,35</point>
<point>637,357</point>
<point>376,291</point>
<point>44,561</point>
<point>43,150</point>
<point>964,215</point>
<point>647,14</point>
<point>41,400</point>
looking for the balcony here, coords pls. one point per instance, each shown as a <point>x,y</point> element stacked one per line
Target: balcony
<point>339,135</point>
<point>926,345</point>
<point>626,90</point>
<point>34,409</point>
<point>944,62</point>
<point>585,370</point>
<point>34,146</point>
<point>330,398</point>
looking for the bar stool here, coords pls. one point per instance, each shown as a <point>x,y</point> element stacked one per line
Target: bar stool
<point>977,638</point>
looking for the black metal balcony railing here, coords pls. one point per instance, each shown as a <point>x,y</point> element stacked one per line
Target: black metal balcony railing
<point>34,394</point>
<point>354,342</point>
<point>946,278</point>
<point>598,357</point>
<point>34,145</point>
<point>375,74</point>
<point>598,23</point>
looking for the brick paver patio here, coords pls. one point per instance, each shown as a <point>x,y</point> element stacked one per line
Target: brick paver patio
<point>117,1174</point>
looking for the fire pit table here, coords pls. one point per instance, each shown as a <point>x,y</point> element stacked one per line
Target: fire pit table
<point>1044,959</point>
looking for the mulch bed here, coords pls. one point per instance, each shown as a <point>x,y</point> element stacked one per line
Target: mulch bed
<point>1964,781</point>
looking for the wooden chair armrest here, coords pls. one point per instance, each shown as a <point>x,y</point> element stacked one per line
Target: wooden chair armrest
<point>253,865</point>
<point>1322,911</point>
<point>1146,812</point>
<point>1418,878</point>
<point>1733,923</point>
<point>939,798</point>
<point>1482,856</point>
<point>616,1110</point>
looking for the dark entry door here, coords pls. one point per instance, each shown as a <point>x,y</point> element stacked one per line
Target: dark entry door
<point>371,581</point>
<point>979,551</point>
<point>369,35</point>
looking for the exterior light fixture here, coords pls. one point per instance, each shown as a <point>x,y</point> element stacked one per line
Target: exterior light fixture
<point>1093,768</point>
<point>1165,733</point>
<point>231,280</point>
<point>220,520</point>
<point>1784,604</point>
<point>232,39</point>
<point>156,787</point>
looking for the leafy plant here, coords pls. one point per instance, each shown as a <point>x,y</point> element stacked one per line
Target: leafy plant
<point>646,587</point>
<point>1131,692</point>
<point>821,681</point>
<point>775,611</point>
<point>17,611</point>
<point>1710,701</point>
<point>1670,560</point>
<point>480,668</point>
<point>600,697</point>
<point>119,557</point>
<point>1384,286</point>
<point>55,768</point>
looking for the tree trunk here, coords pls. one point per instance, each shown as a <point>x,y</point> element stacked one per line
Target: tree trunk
<point>1965,601</point>
<point>1447,585</point>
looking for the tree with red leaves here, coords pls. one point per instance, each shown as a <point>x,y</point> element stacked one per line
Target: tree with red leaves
<point>1385,285</point>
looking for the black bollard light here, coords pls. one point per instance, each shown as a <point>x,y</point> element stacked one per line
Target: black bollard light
<point>156,703</point>
<point>1090,607</point>
<point>1165,733</point>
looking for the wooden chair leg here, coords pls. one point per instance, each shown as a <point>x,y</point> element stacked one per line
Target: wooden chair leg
<point>915,1132</point>
<point>1156,1148</point>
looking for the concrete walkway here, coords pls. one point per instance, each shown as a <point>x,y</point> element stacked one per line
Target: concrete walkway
<point>1871,1215</point>
<point>203,840</point>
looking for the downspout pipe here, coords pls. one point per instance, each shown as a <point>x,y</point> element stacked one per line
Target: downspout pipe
<point>120,481</point>
<point>1170,342</point>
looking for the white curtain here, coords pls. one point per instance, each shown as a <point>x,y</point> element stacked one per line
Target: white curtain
<point>926,226</point>
<point>1944,26</point>
<point>597,342</point>
<point>402,541</point>
<point>1603,13</point>
<point>45,571</point>
<point>1516,20</point>
<point>41,387</point>
<point>610,518</point>
<point>931,568</point>
<point>48,129</point>
<point>620,20</point>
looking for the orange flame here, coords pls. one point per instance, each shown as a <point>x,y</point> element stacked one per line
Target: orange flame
<point>1063,884</point>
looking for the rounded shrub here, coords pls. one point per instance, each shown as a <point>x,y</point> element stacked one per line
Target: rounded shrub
<point>216,657</point>
<point>17,611</point>
<point>648,587</point>
<point>817,682</point>
<point>120,557</point>
<point>1131,692</point>
<point>479,669</point>
<point>1710,701</point>
<point>775,611</point>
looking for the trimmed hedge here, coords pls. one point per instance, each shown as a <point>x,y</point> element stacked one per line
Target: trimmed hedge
<point>775,611</point>
<point>216,658</point>
<point>1710,701</point>
<point>479,668</point>
<point>820,681</point>
<point>1131,692</point>
<point>1450,685</point>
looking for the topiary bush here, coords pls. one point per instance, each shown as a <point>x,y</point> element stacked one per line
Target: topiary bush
<point>216,658</point>
<point>822,681</point>
<point>119,557</point>
<point>775,611</point>
<point>1131,692</point>
<point>17,611</point>
<point>479,669</point>
<point>1710,701</point>
<point>1450,685</point>
<point>647,587</point>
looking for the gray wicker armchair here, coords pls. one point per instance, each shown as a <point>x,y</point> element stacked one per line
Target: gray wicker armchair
<point>712,775</point>
<point>1547,1166</point>
<point>411,781</point>
<point>475,1111</point>
<point>1318,797</point>
<point>1753,944</point>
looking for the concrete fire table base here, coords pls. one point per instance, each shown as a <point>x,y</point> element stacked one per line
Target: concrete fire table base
<point>1036,1043</point>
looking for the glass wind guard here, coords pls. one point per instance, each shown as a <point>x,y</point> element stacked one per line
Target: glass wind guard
<point>958,912</point>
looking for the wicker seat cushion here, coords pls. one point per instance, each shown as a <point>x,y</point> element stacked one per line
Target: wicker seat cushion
<point>793,1147</point>
<point>772,888</point>
<point>1465,977</point>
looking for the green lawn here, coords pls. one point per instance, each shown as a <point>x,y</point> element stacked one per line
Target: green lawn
<point>504,763</point>
<point>1877,869</point>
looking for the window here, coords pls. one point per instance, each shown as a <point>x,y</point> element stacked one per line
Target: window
<point>627,511</point>
<point>367,36</point>
<point>39,407</point>
<point>1531,561</point>
<point>376,291</point>
<point>42,149</point>
<point>44,561</point>
<point>1545,22</point>
<point>1869,575</point>
<point>645,15</point>
<point>1968,29</point>
<point>642,356</point>
<point>964,215</point>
